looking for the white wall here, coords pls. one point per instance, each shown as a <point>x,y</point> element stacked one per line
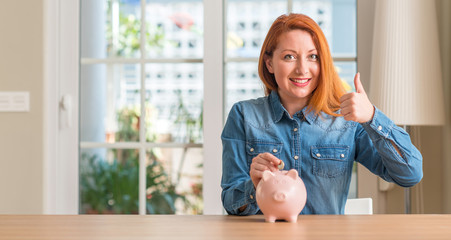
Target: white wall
<point>21,134</point>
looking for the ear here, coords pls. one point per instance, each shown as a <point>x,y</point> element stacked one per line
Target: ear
<point>292,174</point>
<point>268,62</point>
<point>267,175</point>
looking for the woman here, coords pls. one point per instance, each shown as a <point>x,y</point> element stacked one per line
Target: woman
<point>308,121</point>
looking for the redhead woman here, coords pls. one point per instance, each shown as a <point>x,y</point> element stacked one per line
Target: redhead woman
<point>309,122</point>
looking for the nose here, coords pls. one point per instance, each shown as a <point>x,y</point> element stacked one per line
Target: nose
<point>301,67</point>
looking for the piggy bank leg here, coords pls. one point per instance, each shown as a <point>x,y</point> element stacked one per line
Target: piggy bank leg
<point>270,218</point>
<point>292,219</point>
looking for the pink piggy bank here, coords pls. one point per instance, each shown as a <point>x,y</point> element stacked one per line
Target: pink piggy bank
<point>281,195</point>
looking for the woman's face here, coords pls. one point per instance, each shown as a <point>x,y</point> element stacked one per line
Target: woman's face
<point>295,65</point>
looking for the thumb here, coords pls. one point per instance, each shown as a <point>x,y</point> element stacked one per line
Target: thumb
<point>358,85</point>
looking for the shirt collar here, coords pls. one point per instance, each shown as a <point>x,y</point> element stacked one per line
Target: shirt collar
<point>276,105</point>
<point>309,117</point>
<point>279,110</point>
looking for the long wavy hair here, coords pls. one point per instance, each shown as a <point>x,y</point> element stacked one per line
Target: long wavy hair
<point>326,96</point>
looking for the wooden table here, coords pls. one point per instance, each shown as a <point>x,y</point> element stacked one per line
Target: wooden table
<point>209,227</point>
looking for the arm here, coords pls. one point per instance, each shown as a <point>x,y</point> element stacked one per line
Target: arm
<point>387,151</point>
<point>381,146</point>
<point>237,187</point>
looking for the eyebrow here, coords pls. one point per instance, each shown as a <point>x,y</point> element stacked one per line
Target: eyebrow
<point>290,50</point>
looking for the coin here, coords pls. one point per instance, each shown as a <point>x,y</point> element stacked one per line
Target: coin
<point>281,165</point>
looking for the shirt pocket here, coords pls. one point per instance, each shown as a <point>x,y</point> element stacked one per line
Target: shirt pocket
<point>330,160</point>
<point>255,147</point>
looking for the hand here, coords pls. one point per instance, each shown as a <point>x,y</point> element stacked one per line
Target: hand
<point>260,163</point>
<point>356,106</point>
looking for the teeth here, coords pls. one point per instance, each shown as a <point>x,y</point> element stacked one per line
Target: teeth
<point>300,81</point>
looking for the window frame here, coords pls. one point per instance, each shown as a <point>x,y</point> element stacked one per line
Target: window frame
<point>61,71</point>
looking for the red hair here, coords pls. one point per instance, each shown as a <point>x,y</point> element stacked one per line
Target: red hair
<point>326,96</point>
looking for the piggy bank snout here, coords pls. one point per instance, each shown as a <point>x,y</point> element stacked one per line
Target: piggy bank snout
<point>279,196</point>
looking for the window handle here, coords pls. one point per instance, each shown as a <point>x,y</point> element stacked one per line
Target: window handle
<point>66,111</point>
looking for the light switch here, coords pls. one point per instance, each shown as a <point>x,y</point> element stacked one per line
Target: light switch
<point>14,101</point>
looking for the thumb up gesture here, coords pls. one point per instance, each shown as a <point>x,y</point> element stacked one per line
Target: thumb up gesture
<point>356,106</point>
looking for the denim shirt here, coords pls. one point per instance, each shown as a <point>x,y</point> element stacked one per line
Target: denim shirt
<point>322,148</point>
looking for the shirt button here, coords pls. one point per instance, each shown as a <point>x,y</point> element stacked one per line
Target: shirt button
<point>295,129</point>
<point>274,150</point>
<point>342,155</point>
<point>251,150</point>
<point>296,157</point>
<point>379,128</point>
<point>318,155</point>
<point>251,196</point>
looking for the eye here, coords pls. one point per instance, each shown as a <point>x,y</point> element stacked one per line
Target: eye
<point>314,57</point>
<point>289,57</point>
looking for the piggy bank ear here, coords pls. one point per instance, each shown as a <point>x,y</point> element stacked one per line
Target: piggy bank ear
<point>267,175</point>
<point>292,174</point>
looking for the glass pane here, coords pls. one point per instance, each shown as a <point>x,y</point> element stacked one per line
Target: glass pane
<point>174,94</point>
<point>109,181</point>
<point>337,19</point>
<point>110,28</point>
<point>175,28</point>
<point>109,103</point>
<point>174,181</point>
<point>347,71</point>
<point>248,21</point>
<point>242,83</point>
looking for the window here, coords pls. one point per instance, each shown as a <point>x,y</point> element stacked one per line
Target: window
<point>146,98</point>
<point>141,106</point>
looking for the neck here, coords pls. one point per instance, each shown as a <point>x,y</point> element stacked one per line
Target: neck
<point>293,107</point>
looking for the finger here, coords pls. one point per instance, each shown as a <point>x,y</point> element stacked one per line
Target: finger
<point>346,97</point>
<point>358,85</point>
<point>261,164</point>
<point>256,176</point>
<point>345,103</point>
<point>349,116</point>
<point>350,102</point>
<point>273,160</point>
<point>345,110</point>
<point>348,110</point>
<point>346,117</point>
<point>347,106</point>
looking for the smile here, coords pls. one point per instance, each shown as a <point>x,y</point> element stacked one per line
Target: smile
<point>300,80</point>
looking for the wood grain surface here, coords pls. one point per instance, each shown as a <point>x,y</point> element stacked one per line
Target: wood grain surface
<point>211,227</point>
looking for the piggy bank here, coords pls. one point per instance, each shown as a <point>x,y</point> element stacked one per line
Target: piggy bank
<point>281,195</point>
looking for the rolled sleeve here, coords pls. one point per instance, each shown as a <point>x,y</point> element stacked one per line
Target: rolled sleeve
<point>234,201</point>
